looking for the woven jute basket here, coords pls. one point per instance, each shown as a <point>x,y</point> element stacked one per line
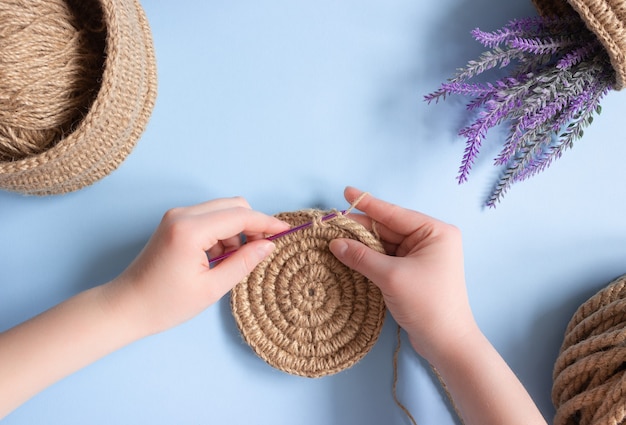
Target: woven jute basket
<point>97,141</point>
<point>605,18</point>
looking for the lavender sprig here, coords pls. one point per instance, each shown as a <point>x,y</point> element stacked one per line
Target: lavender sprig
<point>560,73</point>
<point>539,153</point>
<point>541,45</point>
<point>496,110</point>
<point>579,54</point>
<point>496,58</point>
<point>527,28</point>
<point>538,115</point>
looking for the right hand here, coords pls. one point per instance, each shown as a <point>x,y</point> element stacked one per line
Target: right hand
<point>171,280</point>
<point>422,277</point>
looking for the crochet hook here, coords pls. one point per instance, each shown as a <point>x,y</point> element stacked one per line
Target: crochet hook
<point>280,235</point>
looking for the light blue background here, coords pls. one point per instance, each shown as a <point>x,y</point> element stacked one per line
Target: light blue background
<point>286,103</point>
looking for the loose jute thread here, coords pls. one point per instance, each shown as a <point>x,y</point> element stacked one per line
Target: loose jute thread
<point>590,372</point>
<point>302,310</point>
<point>394,387</point>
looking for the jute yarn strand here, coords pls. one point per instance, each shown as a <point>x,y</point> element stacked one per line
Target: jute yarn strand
<point>605,18</point>
<point>304,312</point>
<point>112,114</point>
<point>590,372</point>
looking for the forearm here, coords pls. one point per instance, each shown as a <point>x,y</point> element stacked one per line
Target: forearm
<point>483,387</point>
<point>57,343</point>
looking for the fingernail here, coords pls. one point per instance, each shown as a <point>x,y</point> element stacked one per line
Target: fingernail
<point>264,249</point>
<point>338,247</point>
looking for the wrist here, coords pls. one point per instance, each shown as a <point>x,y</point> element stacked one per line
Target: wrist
<point>60,341</point>
<point>442,345</point>
<point>482,386</point>
<point>122,305</point>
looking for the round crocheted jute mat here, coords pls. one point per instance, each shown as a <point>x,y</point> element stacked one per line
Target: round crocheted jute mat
<point>605,18</point>
<point>303,311</point>
<point>77,87</point>
<point>590,371</point>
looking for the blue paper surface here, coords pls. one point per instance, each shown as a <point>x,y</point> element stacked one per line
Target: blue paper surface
<point>286,103</point>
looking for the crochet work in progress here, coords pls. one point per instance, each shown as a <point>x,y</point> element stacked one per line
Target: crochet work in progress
<point>590,372</point>
<point>303,311</point>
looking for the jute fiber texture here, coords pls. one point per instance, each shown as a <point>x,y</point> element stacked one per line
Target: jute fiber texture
<point>605,18</point>
<point>77,87</point>
<point>590,372</point>
<point>303,311</point>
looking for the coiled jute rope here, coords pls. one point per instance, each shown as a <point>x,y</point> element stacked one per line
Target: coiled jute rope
<point>77,87</point>
<point>303,311</point>
<point>590,372</point>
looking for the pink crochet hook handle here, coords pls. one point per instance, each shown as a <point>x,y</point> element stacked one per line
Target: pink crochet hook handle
<point>280,235</point>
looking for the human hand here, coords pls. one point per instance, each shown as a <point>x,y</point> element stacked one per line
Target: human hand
<point>171,281</point>
<point>422,277</point>
<point>423,284</point>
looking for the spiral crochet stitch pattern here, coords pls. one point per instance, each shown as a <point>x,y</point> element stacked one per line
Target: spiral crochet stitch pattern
<point>590,373</point>
<point>303,311</point>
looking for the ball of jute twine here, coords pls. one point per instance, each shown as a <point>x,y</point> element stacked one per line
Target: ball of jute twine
<point>590,371</point>
<point>303,311</point>
<point>50,63</point>
<point>77,87</point>
<point>605,18</point>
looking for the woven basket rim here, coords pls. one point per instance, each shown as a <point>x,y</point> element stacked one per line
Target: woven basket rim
<point>112,126</point>
<point>605,18</point>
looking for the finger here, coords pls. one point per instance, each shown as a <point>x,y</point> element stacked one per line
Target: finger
<point>372,264</point>
<point>232,243</point>
<point>215,251</point>
<point>226,223</point>
<point>233,269</point>
<point>384,233</point>
<point>213,205</point>
<point>227,245</point>
<point>395,218</point>
<point>256,236</point>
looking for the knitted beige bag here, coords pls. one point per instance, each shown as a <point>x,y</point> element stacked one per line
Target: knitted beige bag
<point>605,18</point>
<point>77,87</point>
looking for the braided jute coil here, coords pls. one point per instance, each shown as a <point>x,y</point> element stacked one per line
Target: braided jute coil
<point>590,372</point>
<point>303,311</point>
<point>77,88</point>
<point>605,18</point>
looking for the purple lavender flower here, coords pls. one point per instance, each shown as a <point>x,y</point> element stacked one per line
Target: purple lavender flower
<point>579,54</point>
<point>559,74</point>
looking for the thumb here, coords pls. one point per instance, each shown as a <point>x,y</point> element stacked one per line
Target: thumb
<point>363,259</point>
<point>233,269</point>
